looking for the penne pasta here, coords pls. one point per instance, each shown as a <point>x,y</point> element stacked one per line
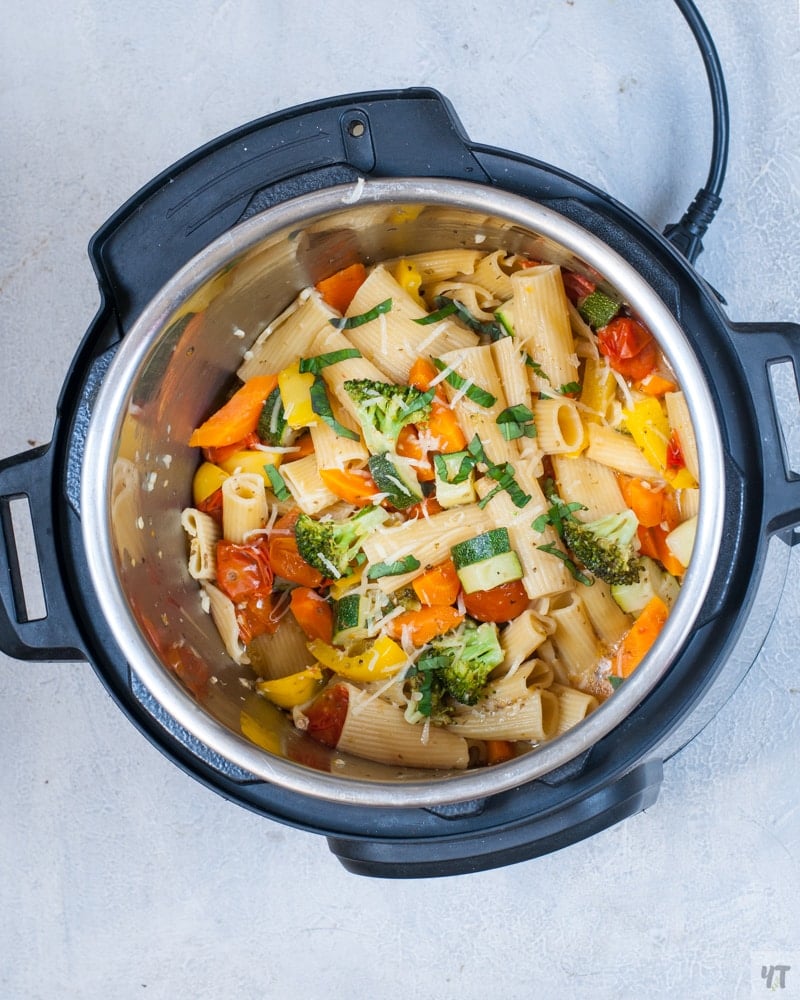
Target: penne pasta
<point>204,533</point>
<point>542,326</point>
<point>244,506</point>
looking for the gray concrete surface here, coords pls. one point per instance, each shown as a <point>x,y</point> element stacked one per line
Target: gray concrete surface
<point>121,877</point>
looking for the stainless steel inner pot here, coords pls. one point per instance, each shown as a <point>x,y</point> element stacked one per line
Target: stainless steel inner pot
<point>171,370</point>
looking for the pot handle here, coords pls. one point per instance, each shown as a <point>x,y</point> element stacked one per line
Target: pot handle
<point>36,620</point>
<point>764,349</point>
<point>484,848</point>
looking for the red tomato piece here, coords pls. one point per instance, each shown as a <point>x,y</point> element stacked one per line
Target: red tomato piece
<point>675,459</point>
<point>500,604</point>
<point>629,347</point>
<point>243,569</point>
<point>327,714</point>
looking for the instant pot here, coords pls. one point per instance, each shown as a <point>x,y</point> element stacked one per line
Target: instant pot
<point>190,271</point>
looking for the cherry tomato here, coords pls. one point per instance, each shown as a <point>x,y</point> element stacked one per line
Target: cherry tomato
<point>577,286</point>
<point>243,569</point>
<point>212,505</point>
<point>629,347</point>
<point>327,714</point>
<point>286,561</point>
<point>500,604</point>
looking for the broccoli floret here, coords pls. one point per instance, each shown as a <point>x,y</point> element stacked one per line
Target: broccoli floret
<point>384,410</point>
<point>606,546</point>
<point>330,546</point>
<point>469,654</point>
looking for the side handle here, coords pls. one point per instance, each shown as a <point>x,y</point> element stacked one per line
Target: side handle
<point>770,358</point>
<point>506,844</point>
<point>36,620</point>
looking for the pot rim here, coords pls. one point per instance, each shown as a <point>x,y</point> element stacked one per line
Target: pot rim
<point>112,404</point>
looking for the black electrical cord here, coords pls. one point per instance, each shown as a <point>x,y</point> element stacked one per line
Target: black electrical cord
<point>687,235</point>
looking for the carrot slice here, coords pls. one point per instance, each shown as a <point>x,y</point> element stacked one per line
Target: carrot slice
<point>444,426</point>
<point>408,446</point>
<point>422,373</point>
<point>438,585</point>
<point>238,417</point>
<point>356,486</point>
<point>655,384</point>
<point>645,501</point>
<point>640,637</point>
<point>498,751</point>
<point>338,290</point>
<point>425,624</point>
<point>312,613</point>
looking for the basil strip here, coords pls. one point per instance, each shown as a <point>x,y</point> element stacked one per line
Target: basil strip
<point>404,565</point>
<point>319,361</point>
<point>568,388</point>
<point>440,314</point>
<point>474,392</point>
<point>279,487</point>
<point>553,550</point>
<point>537,368</point>
<point>503,475</point>
<point>347,323</point>
<point>321,405</point>
<point>493,330</point>
<point>516,421</point>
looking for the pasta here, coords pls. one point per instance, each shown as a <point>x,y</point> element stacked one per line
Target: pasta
<point>451,503</point>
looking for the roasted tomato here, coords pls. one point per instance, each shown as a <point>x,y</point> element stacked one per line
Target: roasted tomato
<point>629,347</point>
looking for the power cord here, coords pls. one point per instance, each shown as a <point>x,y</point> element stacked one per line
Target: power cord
<point>687,235</point>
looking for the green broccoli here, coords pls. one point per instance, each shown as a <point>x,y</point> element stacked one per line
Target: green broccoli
<point>384,409</point>
<point>330,546</point>
<point>457,664</point>
<point>605,546</point>
<point>272,426</point>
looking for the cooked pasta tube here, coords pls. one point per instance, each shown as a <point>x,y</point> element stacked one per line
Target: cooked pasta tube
<point>288,337</point>
<point>619,452</point>
<point>436,265</point>
<point>534,717</point>
<point>223,614</point>
<point>582,480</point>
<point>393,340</point>
<point>474,367</point>
<point>574,638</point>
<point>559,426</point>
<point>491,273</point>
<point>520,638</point>
<point>372,728</point>
<point>681,423</point>
<point>244,506</point>
<point>306,486</point>
<point>334,451</point>
<point>280,653</point>
<point>542,326</point>
<point>573,706</point>
<point>204,533</point>
<point>608,619</point>
<point>428,539</point>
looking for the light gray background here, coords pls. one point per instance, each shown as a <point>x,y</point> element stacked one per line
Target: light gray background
<point>121,877</point>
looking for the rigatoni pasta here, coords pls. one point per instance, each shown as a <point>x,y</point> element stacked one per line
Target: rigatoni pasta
<point>460,482</point>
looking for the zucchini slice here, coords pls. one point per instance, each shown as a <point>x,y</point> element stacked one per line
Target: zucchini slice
<point>395,477</point>
<point>491,543</point>
<point>489,573</point>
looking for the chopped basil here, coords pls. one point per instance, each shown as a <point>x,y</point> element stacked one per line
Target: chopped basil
<point>462,473</point>
<point>474,392</point>
<point>492,329</point>
<point>557,514</point>
<point>537,368</point>
<point>503,475</point>
<point>404,565</point>
<point>440,314</point>
<point>279,487</point>
<point>576,573</point>
<point>614,681</point>
<point>321,405</point>
<point>318,362</point>
<point>347,323</point>
<point>516,421</point>
<point>568,388</point>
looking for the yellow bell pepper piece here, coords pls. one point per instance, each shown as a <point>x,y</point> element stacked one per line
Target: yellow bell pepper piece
<point>408,276</point>
<point>598,390</point>
<point>648,426</point>
<point>405,213</point>
<point>207,479</point>
<point>382,661</point>
<point>295,689</point>
<point>295,389</point>
<point>248,460</point>
<point>341,586</point>
<point>262,723</point>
